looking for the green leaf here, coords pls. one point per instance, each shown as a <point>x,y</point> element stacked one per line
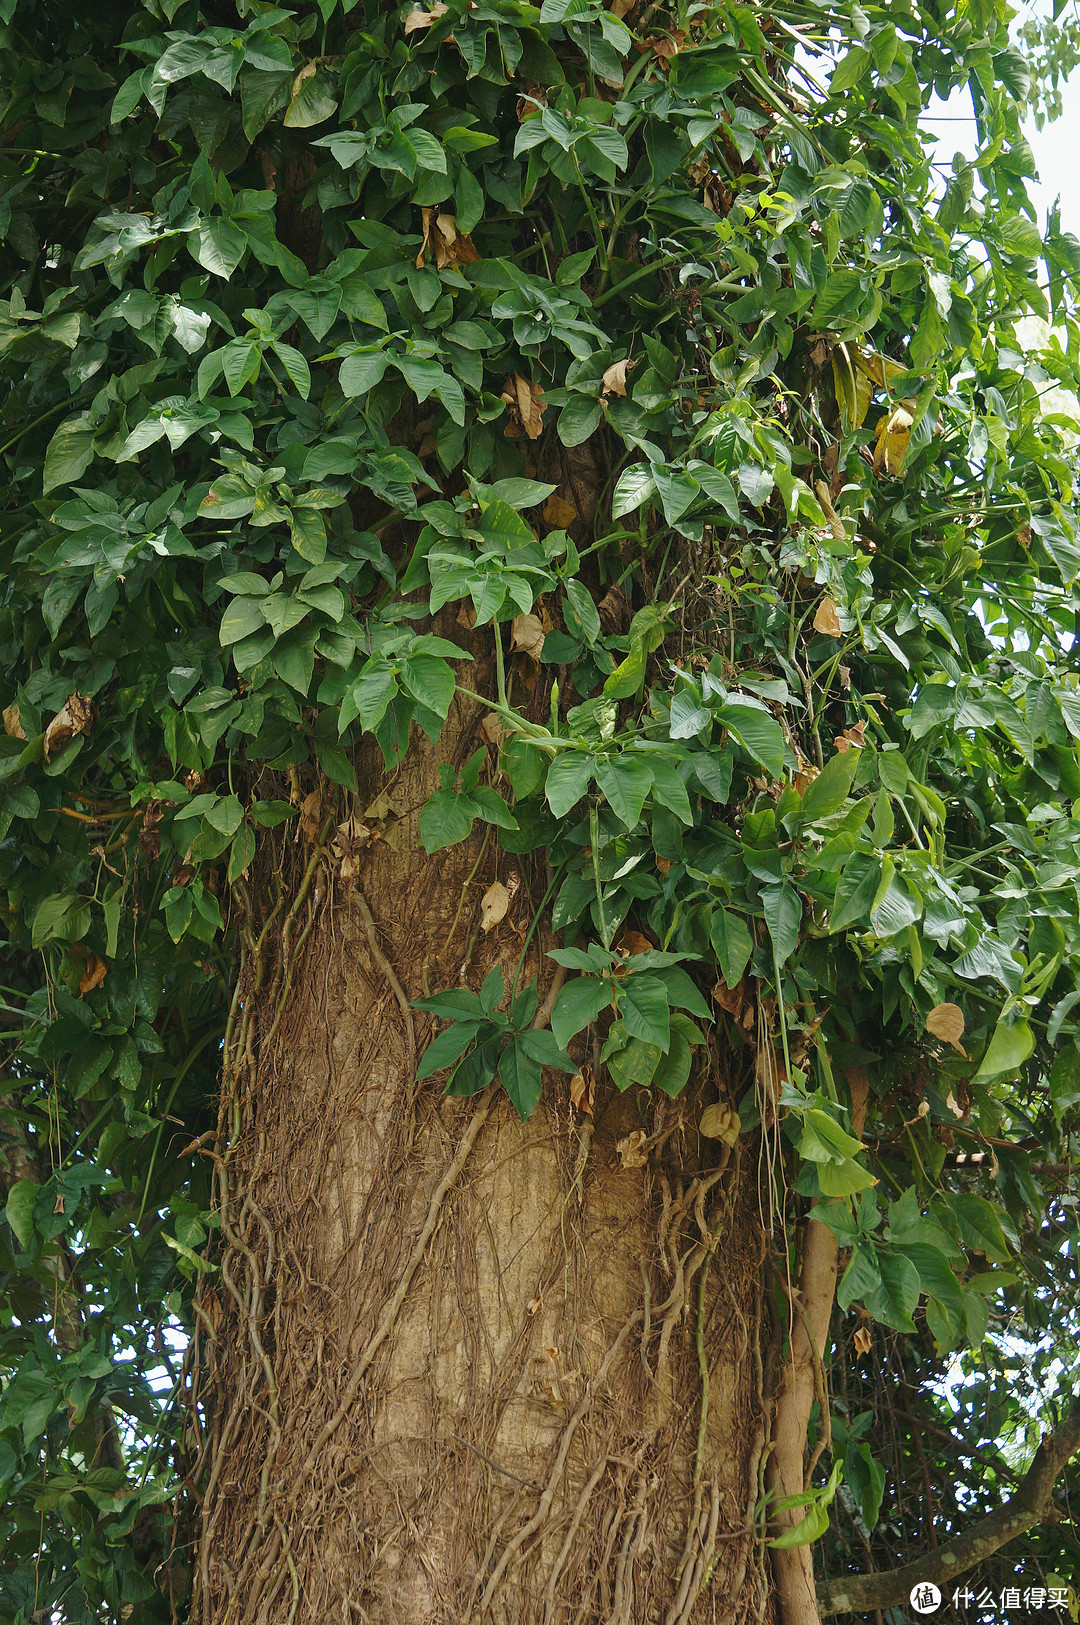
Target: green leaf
<point>1009,1047</point>
<point>578,420</point>
<point>430,681</point>
<point>643,1008</point>
<point>855,891</point>
<point>313,99</point>
<point>827,793</point>
<point>444,820</point>
<point>520,1074</point>
<point>567,781</point>
<point>628,678</point>
<point>808,1529</point>
<point>624,783</point>
<point>19,1211</point>
<point>732,944</point>
<point>635,486</point>
<point>980,1227</point>
<point>243,617</point>
<point>308,532</point>
<point>445,1049</point>
<point>822,1139</point>
<point>70,453</point>
<point>757,732</point>
<point>783,916</point>
<point>219,246</point>
<point>578,1003</point>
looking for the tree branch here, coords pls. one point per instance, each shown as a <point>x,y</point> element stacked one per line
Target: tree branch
<point>863,1593</point>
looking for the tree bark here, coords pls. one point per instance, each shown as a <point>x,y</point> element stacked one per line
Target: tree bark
<point>464,1369</point>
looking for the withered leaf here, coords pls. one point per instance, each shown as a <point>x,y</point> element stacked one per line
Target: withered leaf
<point>557,513</point>
<point>826,618</point>
<point>946,1021</point>
<point>13,723</point>
<point>76,716</point>
<point>720,1122</point>
<point>851,736</point>
<point>615,378</point>
<point>582,1090</point>
<point>418,18</point>
<point>493,905</point>
<point>93,976</point>
<point>492,729</point>
<point>527,633</point>
<point>450,247</point>
<point>893,438</point>
<point>632,1149</point>
<point>525,405</point>
<point>862,1340</point>
<point>310,814</point>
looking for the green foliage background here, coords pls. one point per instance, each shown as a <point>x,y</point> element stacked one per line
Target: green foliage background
<point>254,434</point>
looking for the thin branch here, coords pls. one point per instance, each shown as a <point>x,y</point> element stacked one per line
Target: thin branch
<point>862,1593</point>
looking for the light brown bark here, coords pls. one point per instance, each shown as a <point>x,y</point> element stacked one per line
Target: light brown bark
<point>460,1362</point>
<point>803,1381</point>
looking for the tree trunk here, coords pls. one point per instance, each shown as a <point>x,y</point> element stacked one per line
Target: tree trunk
<point>463,1369</point>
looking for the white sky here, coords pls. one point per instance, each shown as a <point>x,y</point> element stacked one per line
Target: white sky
<point>1056,147</point>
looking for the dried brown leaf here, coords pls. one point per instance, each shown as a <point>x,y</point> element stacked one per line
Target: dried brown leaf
<point>93,976</point>
<point>525,405</point>
<point>493,905</point>
<point>557,513</point>
<point>76,716</point>
<point>632,1149</point>
<point>851,736</point>
<point>535,1304</point>
<point>862,1340</point>
<point>615,378</point>
<point>492,729</point>
<point>527,633</point>
<point>310,814</point>
<point>893,438</point>
<point>615,610</point>
<point>946,1021</point>
<point>451,248</point>
<point>827,620</point>
<point>13,723</point>
<point>582,1090</point>
<point>418,18</point>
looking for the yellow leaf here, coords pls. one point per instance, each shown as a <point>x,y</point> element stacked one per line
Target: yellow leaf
<point>13,723</point>
<point>826,619</point>
<point>893,437</point>
<point>493,905</point>
<point>719,1122</point>
<point>946,1021</point>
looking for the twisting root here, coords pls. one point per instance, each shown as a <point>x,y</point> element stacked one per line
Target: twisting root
<point>569,1431</point>
<point>391,976</point>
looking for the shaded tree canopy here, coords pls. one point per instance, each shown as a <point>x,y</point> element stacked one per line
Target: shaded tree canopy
<point>662,353</point>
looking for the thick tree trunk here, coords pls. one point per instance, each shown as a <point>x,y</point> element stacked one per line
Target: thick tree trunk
<point>464,1370</point>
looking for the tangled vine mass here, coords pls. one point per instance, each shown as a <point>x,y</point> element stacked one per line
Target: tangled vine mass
<point>640,397</point>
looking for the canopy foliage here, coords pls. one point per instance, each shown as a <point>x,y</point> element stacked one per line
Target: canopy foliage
<point>661,342</point>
